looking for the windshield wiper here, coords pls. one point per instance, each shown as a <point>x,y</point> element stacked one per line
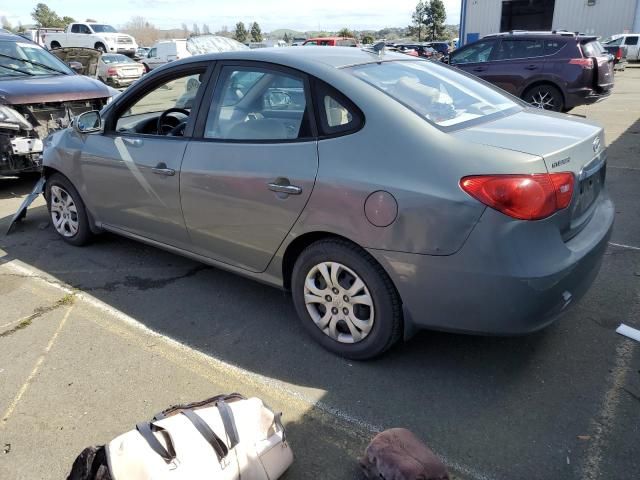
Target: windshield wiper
<point>37,64</point>
<point>17,70</point>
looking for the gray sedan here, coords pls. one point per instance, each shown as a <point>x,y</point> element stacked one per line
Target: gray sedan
<point>387,193</point>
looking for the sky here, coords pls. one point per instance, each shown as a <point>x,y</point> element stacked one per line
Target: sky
<point>302,15</point>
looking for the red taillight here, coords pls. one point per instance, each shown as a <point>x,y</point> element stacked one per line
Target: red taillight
<point>112,72</point>
<point>619,53</point>
<point>585,63</point>
<point>525,197</point>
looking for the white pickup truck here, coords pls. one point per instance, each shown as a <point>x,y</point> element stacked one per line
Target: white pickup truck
<point>92,35</point>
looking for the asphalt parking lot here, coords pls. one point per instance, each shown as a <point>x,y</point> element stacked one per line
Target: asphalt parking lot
<point>94,339</point>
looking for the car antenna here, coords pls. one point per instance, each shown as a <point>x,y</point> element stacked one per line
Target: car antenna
<point>378,48</point>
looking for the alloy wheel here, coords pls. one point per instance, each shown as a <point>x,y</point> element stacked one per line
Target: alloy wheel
<point>542,99</point>
<point>339,302</point>
<point>64,213</point>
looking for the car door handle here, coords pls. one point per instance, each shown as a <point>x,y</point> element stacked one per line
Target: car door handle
<point>283,186</point>
<point>161,169</point>
<point>134,142</point>
<point>531,67</point>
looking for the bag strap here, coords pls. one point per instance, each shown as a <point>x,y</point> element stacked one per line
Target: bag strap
<point>277,421</point>
<point>146,429</point>
<point>229,423</point>
<point>232,397</point>
<point>209,435</point>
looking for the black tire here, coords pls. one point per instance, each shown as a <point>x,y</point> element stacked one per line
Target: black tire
<point>387,320</point>
<point>546,97</point>
<point>83,235</point>
<point>101,47</point>
<point>55,45</point>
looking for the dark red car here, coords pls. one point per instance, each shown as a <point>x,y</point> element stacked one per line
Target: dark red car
<point>551,71</point>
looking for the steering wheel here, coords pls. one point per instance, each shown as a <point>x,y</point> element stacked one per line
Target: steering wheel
<point>163,128</point>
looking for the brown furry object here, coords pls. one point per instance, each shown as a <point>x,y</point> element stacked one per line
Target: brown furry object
<point>397,454</point>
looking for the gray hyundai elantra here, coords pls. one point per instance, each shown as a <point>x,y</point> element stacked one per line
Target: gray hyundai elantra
<point>387,193</point>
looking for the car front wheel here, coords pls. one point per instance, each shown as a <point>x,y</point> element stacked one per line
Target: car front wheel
<point>346,300</point>
<point>67,211</point>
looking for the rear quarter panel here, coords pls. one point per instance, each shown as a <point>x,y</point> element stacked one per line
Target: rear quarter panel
<point>421,166</point>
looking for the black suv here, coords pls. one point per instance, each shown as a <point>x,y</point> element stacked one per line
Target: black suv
<point>554,71</point>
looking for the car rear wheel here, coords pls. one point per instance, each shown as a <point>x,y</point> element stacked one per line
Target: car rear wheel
<point>55,45</point>
<point>67,211</point>
<point>101,48</point>
<point>546,97</point>
<point>346,300</point>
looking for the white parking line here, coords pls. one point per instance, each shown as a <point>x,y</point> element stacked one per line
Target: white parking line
<point>233,370</point>
<point>622,245</point>
<point>602,425</point>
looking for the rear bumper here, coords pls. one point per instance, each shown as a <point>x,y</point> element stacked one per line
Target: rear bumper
<point>509,278</point>
<point>585,97</point>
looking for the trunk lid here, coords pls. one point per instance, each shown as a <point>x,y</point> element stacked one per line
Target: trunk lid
<point>567,144</point>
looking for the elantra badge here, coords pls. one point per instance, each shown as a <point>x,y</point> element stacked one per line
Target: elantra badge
<point>596,144</point>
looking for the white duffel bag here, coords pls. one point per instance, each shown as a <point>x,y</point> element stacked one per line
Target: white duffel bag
<point>224,438</point>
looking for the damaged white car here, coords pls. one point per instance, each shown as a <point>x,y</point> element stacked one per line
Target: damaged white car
<point>39,94</point>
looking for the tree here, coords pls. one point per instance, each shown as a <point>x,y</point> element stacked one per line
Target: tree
<point>419,18</point>
<point>368,39</point>
<point>285,38</point>
<point>241,32</point>
<point>345,32</point>
<point>91,20</point>
<point>436,14</point>
<point>224,32</point>
<point>256,33</point>
<point>45,17</point>
<point>185,30</point>
<point>5,23</point>
<point>196,29</point>
<point>143,31</point>
<point>205,29</point>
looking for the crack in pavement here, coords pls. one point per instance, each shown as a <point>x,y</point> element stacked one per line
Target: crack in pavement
<point>38,312</point>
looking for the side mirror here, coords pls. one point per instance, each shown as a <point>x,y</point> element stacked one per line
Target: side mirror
<point>88,122</point>
<point>76,66</point>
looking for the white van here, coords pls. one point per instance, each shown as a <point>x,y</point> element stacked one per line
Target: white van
<point>164,52</point>
<point>167,51</point>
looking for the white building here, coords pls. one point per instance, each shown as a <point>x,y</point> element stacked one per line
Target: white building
<point>593,17</point>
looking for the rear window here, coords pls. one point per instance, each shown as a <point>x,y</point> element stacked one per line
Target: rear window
<point>441,95</point>
<point>116,59</point>
<point>592,49</point>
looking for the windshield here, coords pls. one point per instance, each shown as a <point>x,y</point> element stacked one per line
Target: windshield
<point>98,28</point>
<point>437,93</point>
<point>28,59</point>
<point>213,44</point>
<point>116,59</point>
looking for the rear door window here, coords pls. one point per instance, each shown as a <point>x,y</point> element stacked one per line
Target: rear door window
<point>631,40</point>
<point>513,49</point>
<point>258,104</point>
<point>476,53</point>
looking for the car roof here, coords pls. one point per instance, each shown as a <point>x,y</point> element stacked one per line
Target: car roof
<point>330,38</point>
<point>5,35</point>
<point>297,57</point>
